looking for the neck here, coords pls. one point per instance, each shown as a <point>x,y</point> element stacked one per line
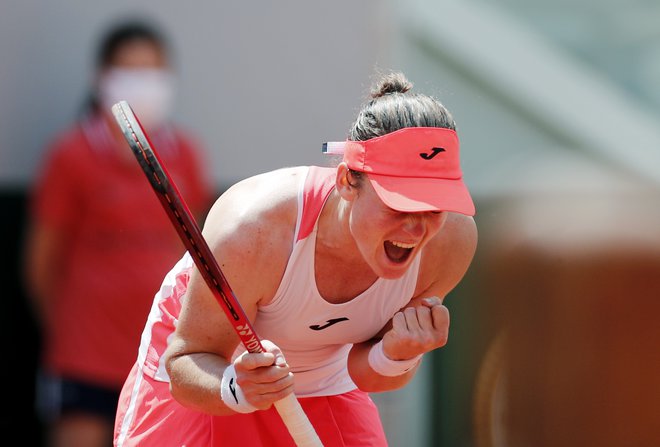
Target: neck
<point>334,234</point>
<point>340,270</point>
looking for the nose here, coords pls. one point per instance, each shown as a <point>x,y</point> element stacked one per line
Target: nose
<point>414,224</point>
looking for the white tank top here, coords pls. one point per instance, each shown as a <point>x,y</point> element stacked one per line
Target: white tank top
<point>314,334</point>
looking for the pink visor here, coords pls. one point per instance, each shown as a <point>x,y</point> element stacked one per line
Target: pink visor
<point>413,169</point>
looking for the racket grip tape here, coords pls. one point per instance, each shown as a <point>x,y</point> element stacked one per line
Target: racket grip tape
<point>296,421</point>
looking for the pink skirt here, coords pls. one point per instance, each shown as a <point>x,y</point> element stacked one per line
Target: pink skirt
<point>147,415</point>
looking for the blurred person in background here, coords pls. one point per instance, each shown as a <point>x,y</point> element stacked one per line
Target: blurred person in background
<point>99,241</point>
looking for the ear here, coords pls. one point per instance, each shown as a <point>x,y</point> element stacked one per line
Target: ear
<point>344,184</point>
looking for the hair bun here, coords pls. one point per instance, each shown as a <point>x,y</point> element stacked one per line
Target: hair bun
<point>391,83</point>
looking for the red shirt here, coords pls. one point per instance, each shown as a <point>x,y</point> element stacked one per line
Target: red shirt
<point>120,244</point>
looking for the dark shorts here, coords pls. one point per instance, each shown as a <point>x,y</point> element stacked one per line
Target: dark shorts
<point>58,396</point>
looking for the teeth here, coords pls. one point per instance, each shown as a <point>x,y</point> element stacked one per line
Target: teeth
<point>402,244</point>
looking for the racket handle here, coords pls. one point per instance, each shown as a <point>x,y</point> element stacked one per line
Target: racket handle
<point>296,421</point>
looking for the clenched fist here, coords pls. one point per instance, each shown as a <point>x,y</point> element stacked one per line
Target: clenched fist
<point>419,328</point>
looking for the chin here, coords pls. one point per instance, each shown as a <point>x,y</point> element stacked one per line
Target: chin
<point>392,270</point>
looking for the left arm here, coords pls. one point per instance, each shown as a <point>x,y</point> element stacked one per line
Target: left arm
<point>423,325</point>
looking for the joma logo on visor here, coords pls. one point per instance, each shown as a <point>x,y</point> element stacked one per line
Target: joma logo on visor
<point>435,151</point>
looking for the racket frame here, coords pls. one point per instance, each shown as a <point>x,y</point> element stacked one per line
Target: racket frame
<point>190,234</point>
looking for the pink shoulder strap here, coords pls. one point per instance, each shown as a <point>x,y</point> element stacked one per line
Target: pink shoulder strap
<point>318,185</point>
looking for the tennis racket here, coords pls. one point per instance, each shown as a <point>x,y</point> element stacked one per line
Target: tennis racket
<point>289,408</point>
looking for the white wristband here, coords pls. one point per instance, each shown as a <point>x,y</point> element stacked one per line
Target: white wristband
<point>231,393</point>
<point>385,366</point>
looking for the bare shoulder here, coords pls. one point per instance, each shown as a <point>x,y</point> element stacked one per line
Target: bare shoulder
<point>448,256</point>
<point>460,232</point>
<point>250,229</point>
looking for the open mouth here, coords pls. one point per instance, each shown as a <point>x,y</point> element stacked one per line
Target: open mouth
<point>398,251</point>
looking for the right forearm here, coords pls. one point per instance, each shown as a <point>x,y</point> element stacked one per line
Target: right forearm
<point>195,381</point>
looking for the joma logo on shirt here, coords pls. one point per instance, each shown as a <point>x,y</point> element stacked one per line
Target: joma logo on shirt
<point>328,323</point>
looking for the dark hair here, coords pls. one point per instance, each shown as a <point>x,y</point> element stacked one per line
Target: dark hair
<point>114,39</point>
<point>393,107</point>
<point>127,32</point>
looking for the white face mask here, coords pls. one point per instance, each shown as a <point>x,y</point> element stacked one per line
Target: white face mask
<point>149,92</point>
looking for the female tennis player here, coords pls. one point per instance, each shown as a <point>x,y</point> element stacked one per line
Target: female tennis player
<point>342,271</point>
